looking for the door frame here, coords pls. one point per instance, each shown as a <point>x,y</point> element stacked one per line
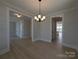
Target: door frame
<point>15,10</point>
<point>55,20</point>
<point>59,15</point>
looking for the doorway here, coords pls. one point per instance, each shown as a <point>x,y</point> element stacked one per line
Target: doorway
<point>57,29</point>
<point>20,27</point>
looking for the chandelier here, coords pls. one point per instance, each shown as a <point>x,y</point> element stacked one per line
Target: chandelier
<point>39,17</point>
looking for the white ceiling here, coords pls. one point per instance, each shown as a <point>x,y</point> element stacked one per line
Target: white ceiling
<point>47,6</point>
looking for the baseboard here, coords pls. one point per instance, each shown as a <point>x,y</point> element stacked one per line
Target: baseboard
<point>74,47</point>
<point>20,38</point>
<point>45,40</point>
<point>3,51</point>
<point>36,39</point>
<point>14,38</point>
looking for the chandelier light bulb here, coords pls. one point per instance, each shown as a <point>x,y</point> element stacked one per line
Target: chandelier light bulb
<point>44,17</point>
<point>39,16</point>
<point>36,18</point>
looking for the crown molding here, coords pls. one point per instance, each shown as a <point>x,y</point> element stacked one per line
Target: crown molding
<point>62,11</point>
<point>16,9</point>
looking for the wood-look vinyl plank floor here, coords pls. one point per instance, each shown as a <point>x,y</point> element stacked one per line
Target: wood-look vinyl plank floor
<point>26,49</point>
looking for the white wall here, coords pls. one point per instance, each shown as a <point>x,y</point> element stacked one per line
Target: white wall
<point>43,30</point>
<point>70,29</point>
<point>4,29</point>
<point>35,30</point>
<point>12,29</point>
<point>26,27</point>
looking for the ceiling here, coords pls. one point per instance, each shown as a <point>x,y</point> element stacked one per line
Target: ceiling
<point>47,6</point>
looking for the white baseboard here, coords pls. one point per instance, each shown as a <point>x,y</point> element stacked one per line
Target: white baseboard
<point>12,38</point>
<point>36,39</point>
<point>45,40</point>
<point>3,51</point>
<point>20,38</point>
<point>67,45</point>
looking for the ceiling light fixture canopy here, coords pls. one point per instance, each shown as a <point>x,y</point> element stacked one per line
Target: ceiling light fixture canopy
<point>39,17</point>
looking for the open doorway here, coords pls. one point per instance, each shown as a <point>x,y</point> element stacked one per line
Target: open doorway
<point>57,29</point>
<point>20,27</point>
